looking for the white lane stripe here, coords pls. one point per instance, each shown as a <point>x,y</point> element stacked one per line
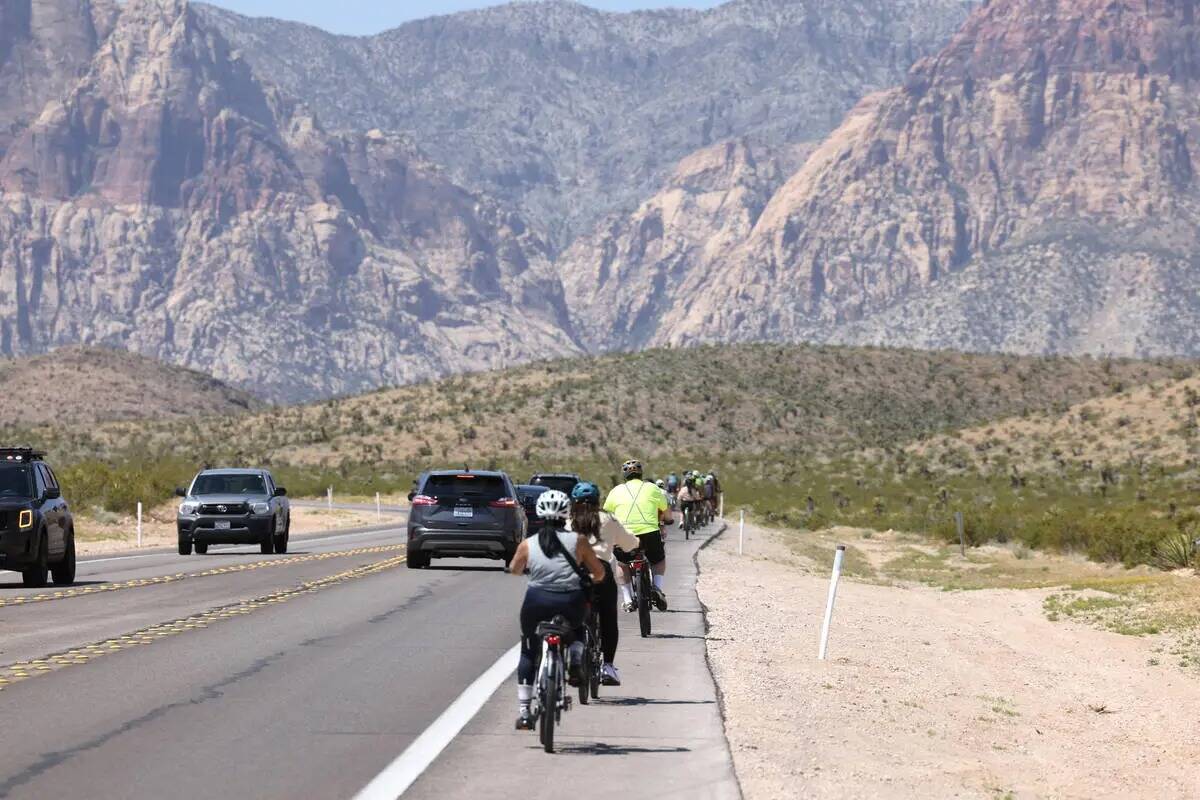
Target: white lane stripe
<point>408,766</point>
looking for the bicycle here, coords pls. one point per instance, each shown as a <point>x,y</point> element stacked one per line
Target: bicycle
<point>642,587</point>
<point>550,697</point>
<point>689,520</point>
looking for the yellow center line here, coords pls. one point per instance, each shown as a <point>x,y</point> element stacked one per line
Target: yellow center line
<point>137,583</point>
<point>24,670</point>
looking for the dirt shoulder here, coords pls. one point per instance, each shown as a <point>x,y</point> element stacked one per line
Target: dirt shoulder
<point>110,533</point>
<point>932,693</point>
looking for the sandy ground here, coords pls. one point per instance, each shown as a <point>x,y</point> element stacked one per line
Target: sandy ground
<point>930,693</point>
<point>158,528</point>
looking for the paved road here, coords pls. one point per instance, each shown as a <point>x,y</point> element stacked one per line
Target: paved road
<point>387,509</point>
<point>304,675</point>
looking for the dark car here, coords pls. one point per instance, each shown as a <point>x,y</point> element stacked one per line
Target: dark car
<point>464,514</point>
<point>528,496</point>
<point>37,531</point>
<point>563,481</point>
<point>233,506</point>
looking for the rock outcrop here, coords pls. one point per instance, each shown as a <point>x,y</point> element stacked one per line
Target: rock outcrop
<point>173,204</point>
<point>569,114</point>
<point>1030,188</point>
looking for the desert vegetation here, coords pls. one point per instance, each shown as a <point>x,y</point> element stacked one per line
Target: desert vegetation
<point>1075,454</point>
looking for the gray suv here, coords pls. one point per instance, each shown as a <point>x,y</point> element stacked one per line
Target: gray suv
<point>464,514</point>
<point>233,506</point>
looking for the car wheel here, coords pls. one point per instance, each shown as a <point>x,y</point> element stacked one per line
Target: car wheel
<point>64,571</point>
<point>416,560</point>
<point>268,543</point>
<point>281,541</point>
<point>34,576</point>
<point>201,548</point>
<point>185,546</point>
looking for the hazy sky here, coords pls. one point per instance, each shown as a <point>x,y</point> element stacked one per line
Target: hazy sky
<point>372,16</point>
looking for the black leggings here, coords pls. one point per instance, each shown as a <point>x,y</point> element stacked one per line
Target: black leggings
<point>606,607</point>
<point>541,606</point>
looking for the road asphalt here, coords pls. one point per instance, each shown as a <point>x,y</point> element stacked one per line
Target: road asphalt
<point>304,675</point>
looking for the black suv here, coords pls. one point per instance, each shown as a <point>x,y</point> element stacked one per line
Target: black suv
<point>37,531</point>
<point>528,496</point>
<point>562,481</point>
<point>467,514</point>
<point>233,506</point>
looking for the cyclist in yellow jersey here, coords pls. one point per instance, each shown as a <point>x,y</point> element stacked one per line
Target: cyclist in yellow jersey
<point>643,509</point>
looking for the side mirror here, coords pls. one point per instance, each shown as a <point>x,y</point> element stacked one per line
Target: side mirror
<point>180,491</point>
<point>53,494</point>
<point>411,495</point>
<point>280,491</point>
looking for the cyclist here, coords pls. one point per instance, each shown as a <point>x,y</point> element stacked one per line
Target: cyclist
<point>643,509</point>
<point>672,484</point>
<point>585,520</point>
<point>710,495</point>
<point>688,497</point>
<point>554,558</point>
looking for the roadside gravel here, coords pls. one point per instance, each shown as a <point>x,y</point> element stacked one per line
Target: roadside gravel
<point>930,693</point>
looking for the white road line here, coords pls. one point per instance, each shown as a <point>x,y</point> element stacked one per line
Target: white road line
<point>408,766</point>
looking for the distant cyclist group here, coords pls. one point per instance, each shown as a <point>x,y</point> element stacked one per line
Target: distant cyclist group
<point>585,554</point>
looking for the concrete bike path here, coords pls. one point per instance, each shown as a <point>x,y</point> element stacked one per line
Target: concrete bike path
<point>660,735</point>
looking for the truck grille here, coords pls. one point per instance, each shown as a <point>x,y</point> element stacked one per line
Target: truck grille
<point>223,509</point>
<point>7,519</point>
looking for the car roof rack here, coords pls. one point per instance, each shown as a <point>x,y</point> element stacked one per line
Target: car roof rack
<point>20,454</point>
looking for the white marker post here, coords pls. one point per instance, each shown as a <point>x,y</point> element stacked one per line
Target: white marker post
<point>378,507</point>
<point>833,582</point>
<point>139,544</point>
<point>721,512</point>
<point>329,497</point>
<point>960,527</point>
<point>741,531</point>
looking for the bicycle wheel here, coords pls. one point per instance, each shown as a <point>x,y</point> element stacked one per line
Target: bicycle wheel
<point>644,601</point>
<point>550,705</point>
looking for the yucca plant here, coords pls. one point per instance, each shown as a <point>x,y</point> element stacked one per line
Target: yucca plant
<point>1176,551</point>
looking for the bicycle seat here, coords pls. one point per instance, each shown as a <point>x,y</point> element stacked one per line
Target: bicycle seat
<point>557,627</point>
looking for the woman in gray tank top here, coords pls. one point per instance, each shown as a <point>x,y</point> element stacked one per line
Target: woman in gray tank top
<point>554,587</point>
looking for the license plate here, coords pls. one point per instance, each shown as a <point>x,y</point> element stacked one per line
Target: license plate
<point>464,513</point>
<point>222,526</point>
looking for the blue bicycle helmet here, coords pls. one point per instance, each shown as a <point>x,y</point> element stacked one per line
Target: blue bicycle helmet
<point>585,492</point>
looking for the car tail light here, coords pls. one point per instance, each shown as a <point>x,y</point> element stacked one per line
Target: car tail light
<point>553,640</point>
<point>504,502</point>
<point>424,500</point>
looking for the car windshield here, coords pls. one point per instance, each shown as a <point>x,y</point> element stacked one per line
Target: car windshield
<point>531,492</point>
<point>16,481</point>
<point>563,483</point>
<point>218,483</point>
<point>470,487</point>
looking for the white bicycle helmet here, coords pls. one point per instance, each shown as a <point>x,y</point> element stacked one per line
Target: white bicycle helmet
<point>552,505</point>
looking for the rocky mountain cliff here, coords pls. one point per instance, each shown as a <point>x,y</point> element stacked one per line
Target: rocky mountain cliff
<point>570,113</point>
<point>543,179</point>
<point>173,204</point>
<point>1029,188</point>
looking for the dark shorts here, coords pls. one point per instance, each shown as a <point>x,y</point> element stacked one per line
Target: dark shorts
<point>652,545</point>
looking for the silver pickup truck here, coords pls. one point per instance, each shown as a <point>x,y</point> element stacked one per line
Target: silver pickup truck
<point>233,506</point>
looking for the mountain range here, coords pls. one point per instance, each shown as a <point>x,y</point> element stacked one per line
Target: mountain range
<point>303,215</point>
